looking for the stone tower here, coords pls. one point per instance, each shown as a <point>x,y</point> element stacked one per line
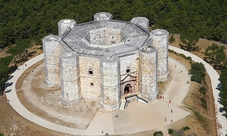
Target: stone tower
<point>69,77</point>
<point>160,41</point>
<point>52,50</point>
<point>110,82</point>
<point>65,26</point>
<point>148,73</point>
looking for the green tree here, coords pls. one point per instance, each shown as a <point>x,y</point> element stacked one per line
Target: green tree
<point>215,55</point>
<point>223,89</point>
<point>198,72</point>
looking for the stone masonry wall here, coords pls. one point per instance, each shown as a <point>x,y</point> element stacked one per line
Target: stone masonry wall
<point>160,41</point>
<point>89,81</point>
<point>129,62</point>
<point>110,81</point>
<point>148,73</point>
<point>52,50</point>
<point>69,77</point>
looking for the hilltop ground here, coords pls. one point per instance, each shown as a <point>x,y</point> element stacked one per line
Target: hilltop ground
<point>200,124</point>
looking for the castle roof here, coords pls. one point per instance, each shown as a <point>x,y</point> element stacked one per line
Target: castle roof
<point>105,38</point>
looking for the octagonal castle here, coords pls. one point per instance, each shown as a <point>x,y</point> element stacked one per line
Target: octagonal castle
<point>107,59</point>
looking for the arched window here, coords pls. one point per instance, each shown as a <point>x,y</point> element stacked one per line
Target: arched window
<point>127,70</point>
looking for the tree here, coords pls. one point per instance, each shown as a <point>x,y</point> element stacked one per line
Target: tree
<point>224,38</point>
<point>172,39</point>
<point>215,55</point>
<point>4,70</point>
<point>223,89</point>
<point>198,72</point>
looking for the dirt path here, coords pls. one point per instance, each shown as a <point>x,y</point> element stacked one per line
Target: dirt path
<point>177,88</point>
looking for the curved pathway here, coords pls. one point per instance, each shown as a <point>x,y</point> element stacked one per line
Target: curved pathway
<point>18,107</point>
<point>214,76</point>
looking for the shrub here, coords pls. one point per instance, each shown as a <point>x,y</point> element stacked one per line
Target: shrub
<point>204,103</point>
<point>202,90</point>
<point>186,128</point>
<point>158,133</point>
<point>170,131</point>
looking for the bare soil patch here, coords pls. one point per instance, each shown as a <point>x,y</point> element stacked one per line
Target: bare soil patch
<point>45,102</point>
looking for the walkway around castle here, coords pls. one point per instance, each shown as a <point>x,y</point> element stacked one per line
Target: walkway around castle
<point>214,76</point>
<point>19,108</point>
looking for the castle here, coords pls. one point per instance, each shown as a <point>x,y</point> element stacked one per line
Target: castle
<point>106,59</point>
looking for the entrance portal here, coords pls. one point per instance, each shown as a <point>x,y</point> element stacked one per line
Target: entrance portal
<point>128,84</point>
<point>127,89</point>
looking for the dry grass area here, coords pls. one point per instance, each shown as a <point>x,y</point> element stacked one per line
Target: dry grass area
<point>200,124</point>
<point>11,123</point>
<point>45,101</point>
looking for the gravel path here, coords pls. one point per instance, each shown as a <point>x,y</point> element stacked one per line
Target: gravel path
<point>214,76</point>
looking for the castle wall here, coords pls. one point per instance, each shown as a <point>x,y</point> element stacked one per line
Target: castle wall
<point>148,73</point>
<point>129,66</point>
<point>69,78</point>
<point>128,61</point>
<point>105,36</point>
<point>160,41</point>
<point>110,82</point>
<point>89,80</point>
<point>65,25</point>
<point>52,50</point>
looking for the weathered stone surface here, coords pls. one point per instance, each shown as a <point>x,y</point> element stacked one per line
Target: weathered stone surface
<point>141,21</point>
<point>160,41</point>
<point>107,59</point>
<point>65,26</point>
<point>148,73</point>
<point>69,77</point>
<point>102,16</point>
<point>52,50</point>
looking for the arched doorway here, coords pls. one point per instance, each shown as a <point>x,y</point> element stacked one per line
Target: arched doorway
<point>127,89</point>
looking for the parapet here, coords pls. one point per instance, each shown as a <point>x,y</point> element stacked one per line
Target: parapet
<point>159,32</point>
<point>141,21</point>
<point>65,25</point>
<point>51,47</point>
<point>102,16</point>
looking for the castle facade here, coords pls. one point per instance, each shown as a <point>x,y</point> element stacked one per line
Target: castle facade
<point>106,59</point>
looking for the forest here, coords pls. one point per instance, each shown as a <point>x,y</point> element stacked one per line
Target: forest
<point>24,23</point>
<point>34,19</point>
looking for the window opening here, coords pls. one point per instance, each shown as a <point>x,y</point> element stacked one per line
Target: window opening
<point>92,84</point>
<point>90,71</point>
<point>127,70</point>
